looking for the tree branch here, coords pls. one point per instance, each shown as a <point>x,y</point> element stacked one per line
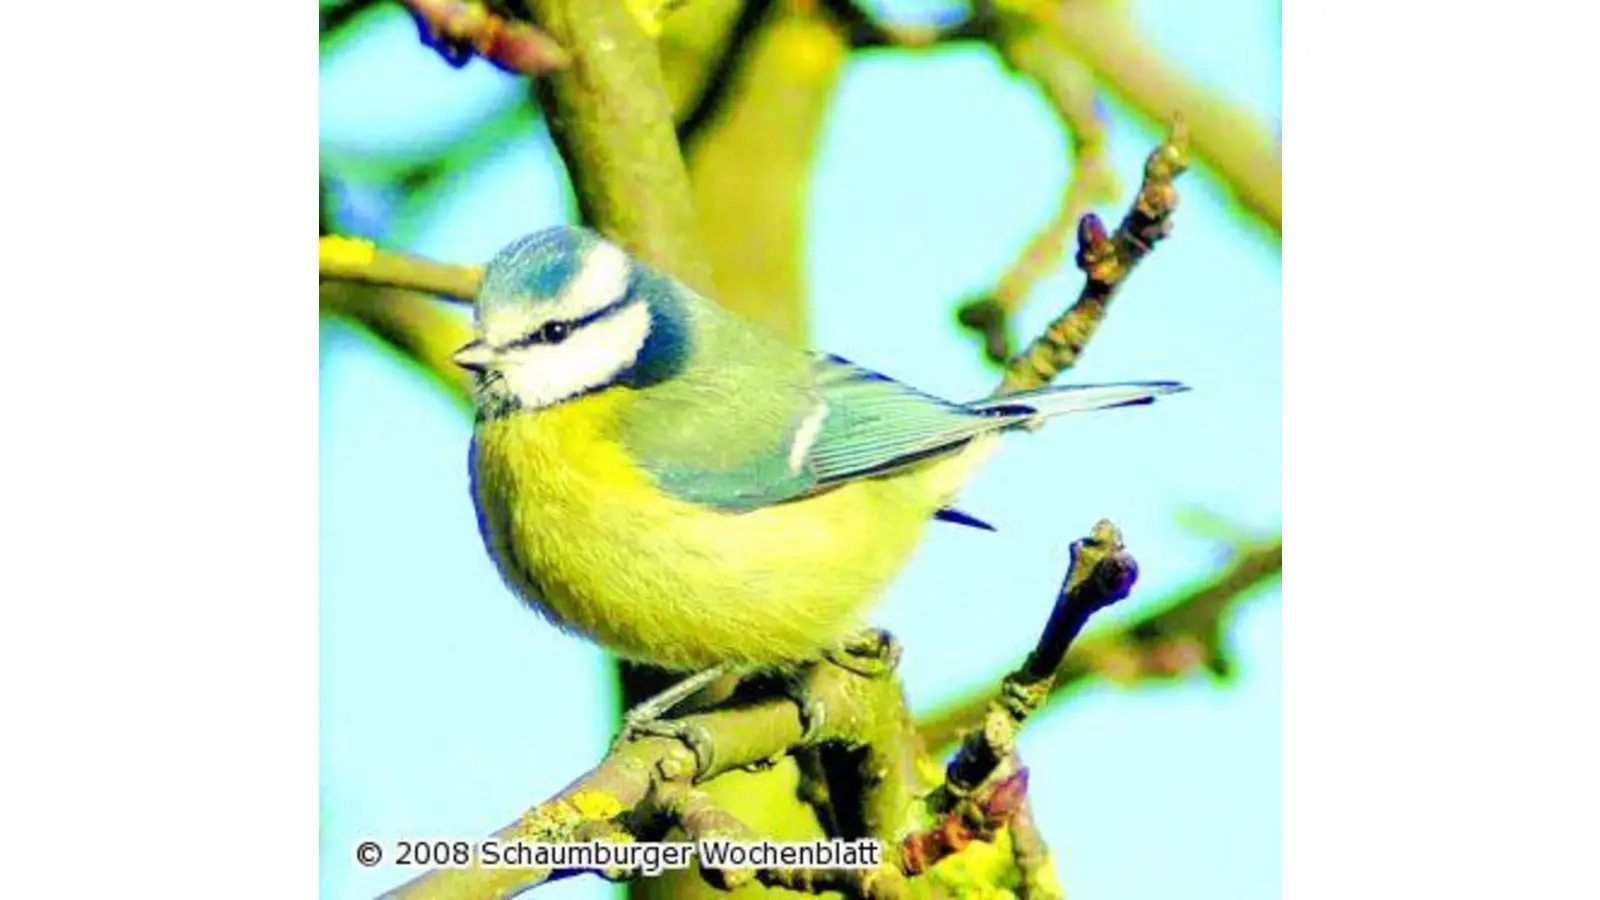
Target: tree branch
<point>709,100</point>
<point>333,18</point>
<point>417,326</point>
<point>700,818</point>
<point>1226,138</point>
<point>611,119</point>
<point>1101,573</point>
<point>1102,35</point>
<point>750,161</point>
<point>1032,857</point>
<point>461,29</point>
<point>1185,632</point>
<point>1033,51</point>
<point>627,788</point>
<point>354,259</point>
<point>645,786</point>
<point>1106,261</point>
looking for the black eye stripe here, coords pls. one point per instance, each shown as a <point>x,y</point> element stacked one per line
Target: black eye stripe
<point>557,330</point>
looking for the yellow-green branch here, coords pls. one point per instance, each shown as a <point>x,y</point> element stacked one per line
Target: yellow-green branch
<point>647,785</point>
<point>355,259</point>
<point>1232,142</point>
<point>642,781</point>
<point>611,119</point>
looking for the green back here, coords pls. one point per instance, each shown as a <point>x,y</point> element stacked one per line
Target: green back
<point>724,432</point>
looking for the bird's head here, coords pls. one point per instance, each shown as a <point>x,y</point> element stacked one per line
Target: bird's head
<point>563,313</point>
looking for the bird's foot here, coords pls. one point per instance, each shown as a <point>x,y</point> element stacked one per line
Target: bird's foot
<point>813,713</point>
<point>870,653</point>
<point>693,736</point>
<point>648,717</point>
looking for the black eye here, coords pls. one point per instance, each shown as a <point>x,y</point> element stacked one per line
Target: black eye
<point>553,332</point>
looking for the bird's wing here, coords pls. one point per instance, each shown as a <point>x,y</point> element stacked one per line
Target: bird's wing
<point>872,424</point>
<point>832,424</point>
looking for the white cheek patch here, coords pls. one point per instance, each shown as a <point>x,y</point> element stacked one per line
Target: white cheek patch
<point>543,374</point>
<point>506,325</point>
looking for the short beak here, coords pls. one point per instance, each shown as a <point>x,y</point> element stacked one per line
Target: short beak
<point>475,356</point>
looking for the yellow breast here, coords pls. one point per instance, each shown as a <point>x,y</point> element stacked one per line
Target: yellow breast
<point>583,535</point>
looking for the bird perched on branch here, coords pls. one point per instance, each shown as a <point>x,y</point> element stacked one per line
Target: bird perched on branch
<point>689,491</point>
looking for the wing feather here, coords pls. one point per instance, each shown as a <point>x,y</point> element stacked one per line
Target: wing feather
<point>877,424</point>
<point>839,423</point>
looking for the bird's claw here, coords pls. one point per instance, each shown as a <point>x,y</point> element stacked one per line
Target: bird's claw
<point>813,712</point>
<point>870,653</point>
<point>695,737</point>
<point>649,717</point>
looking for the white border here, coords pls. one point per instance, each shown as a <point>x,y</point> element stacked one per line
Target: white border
<point>1440,670</point>
<point>158,645</point>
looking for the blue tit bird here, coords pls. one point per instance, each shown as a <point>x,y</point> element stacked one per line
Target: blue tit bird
<point>689,491</point>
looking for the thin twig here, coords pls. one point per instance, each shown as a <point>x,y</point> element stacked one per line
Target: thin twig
<point>461,29</point>
<point>1034,51</point>
<point>355,259</point>
<point>964,820</point>
<point>1106,261</point>
<point>418,326</point>
<point>1101,574</point>
<point>1239,149</point>
<point>1192,617</point>
<point>1229,140</point>
<point>1032,856</point>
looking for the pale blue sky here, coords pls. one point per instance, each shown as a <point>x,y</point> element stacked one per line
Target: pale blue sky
<point>436,715</point>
